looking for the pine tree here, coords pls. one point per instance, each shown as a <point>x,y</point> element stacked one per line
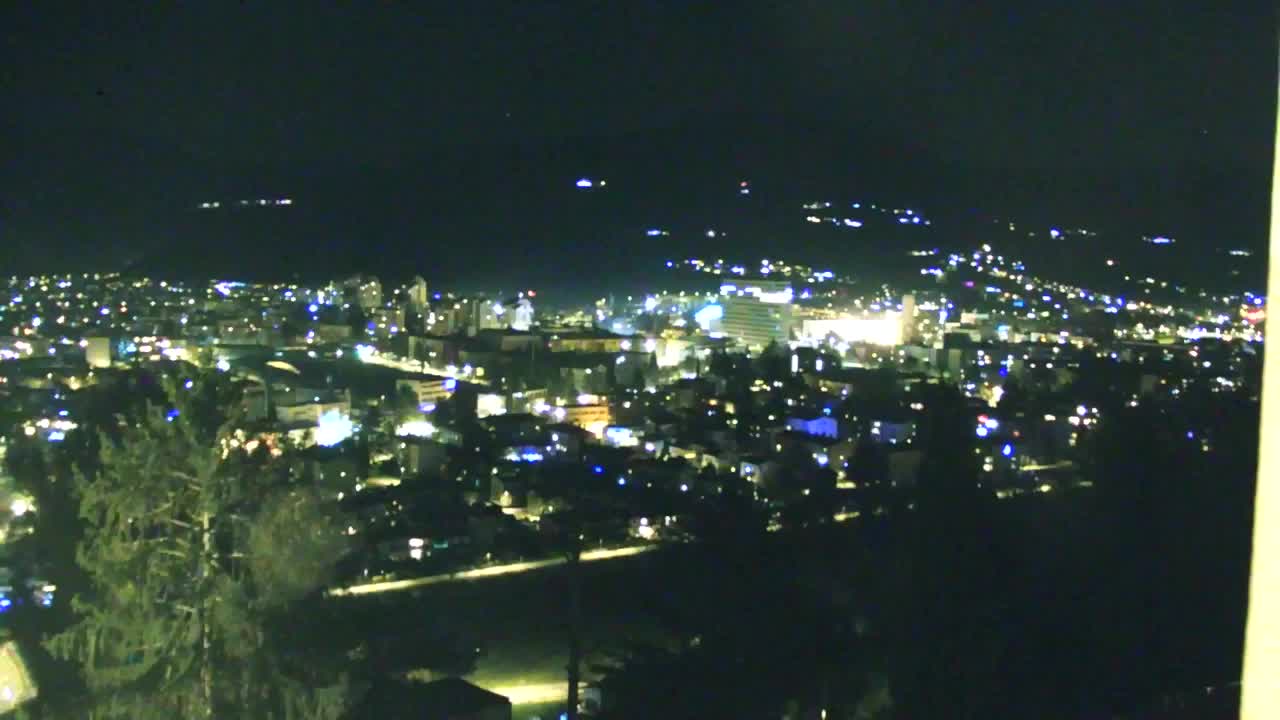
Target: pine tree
<point>197,543</point>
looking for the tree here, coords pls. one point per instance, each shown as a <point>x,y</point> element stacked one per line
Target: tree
<point>942,612</point>
<point>197,544</point>
<point>773,364</point>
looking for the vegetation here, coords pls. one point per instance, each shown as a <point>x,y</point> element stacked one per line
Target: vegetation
<point>198,545</point>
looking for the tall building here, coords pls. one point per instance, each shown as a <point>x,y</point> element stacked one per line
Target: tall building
<point>754,322</point>
<point>522,315</point>
<point>418,296</point>
<point>908,318</point>
<point>366,290</point>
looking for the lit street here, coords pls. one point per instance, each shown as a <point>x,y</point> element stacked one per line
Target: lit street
<point>487,572</point>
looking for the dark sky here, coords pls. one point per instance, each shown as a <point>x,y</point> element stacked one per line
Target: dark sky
<point>444,115</point>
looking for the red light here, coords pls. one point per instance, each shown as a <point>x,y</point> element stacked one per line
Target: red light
<point>532,294</point>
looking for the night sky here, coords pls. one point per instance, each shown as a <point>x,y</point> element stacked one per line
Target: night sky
<point>411,136</point>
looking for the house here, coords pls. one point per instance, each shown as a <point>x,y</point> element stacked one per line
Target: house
<point>567,439</point>
<point>515,428</point>
<point>446,699</point>
<point>893,430</point>
<point>814,424</point>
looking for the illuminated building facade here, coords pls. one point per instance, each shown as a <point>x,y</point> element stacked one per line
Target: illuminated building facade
<point>592,418</point>
<point>883,329</point>
<point>594,342</point>
<point>432,390</point>
<point>754,322</point>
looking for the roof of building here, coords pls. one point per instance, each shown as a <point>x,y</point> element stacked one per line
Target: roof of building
<point>568,429</point>
<point>400,700</point>
<point>588,333</point>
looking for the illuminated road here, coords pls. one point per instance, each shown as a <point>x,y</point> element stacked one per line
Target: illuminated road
<point>416,366</point>
<point>491,571</point>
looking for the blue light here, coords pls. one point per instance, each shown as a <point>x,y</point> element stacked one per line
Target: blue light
<point>57,436</point>
<point>451,384</point>
<point>1004,370</point>
<point>598,469</point>
<point>313,307</point>
<point>982,431</point>
<point>171,415</point>
<point>1018,303</point>
<point>622,481</point>
<point>1007,450</point>
<point>584,183</point>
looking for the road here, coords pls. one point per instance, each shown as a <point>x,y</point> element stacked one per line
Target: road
<point>491,571</point>
<point>387,586</point>
<point>415,366</point>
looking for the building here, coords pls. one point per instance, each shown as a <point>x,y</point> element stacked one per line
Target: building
<point>755,322</point>
<point>429,390</point>
<point>311,412</point>
<point>908,318</point>
<point>592,418</point>
<point>879,329</point>
<point>418,296</point>
<point>517,312</point>
<point>367,291</point>
<point>594,341</point>
<point>568,440</point>
<point>446,699</point>
<point>328,333</point>
<point>386,321</point>
<point>816,425</point>
<point>423,456</point>
<point>97,352</point>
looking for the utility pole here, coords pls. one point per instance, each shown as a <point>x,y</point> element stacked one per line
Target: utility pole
<point>574,669</point>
